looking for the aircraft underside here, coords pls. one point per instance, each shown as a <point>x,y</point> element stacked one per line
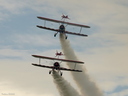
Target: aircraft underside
<point>52,71</point>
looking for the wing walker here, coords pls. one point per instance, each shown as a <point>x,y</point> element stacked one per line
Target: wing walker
<point>59,54</point>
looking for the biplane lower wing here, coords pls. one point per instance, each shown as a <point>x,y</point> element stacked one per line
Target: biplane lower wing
<point>67,32</point>
<point>70,69</point>
<point>60,68</point>
<point>73,33</point>
<point>47,28</point>
<point>64,60</point>
<point>43,66</point>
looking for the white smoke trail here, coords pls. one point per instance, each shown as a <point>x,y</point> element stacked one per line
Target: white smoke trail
<point>65,89</point>
<point>83,81</point>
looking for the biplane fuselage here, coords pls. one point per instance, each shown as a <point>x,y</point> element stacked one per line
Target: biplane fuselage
<point>62,28</point>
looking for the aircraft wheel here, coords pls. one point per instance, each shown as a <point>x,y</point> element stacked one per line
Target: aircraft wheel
<point>50,72</point>
<point>54,35</point>
<point>66,37</point>
<point>61,74</point>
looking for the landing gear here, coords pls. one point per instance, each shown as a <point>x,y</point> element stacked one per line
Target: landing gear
<point>50,72</point>
<point>61,73</point>
<point>55,34</point>
<point>66,37</point>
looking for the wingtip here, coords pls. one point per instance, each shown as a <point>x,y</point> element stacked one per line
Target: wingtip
<point>38,16</point>
<point>34,55</point>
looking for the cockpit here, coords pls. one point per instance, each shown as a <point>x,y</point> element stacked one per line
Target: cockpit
<point>62,28</point>
<point>56,64</point>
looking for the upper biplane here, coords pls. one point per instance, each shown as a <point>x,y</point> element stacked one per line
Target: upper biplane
<point>56,65</point>
<point>62,26</point>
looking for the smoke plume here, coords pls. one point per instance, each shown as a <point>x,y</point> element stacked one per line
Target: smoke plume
<point>65,89</point>
<point>82,79</point>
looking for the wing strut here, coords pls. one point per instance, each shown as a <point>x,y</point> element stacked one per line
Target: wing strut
<point>75,66</point>
<point>39,61</point>
<point>80,30</point>
<point>44,22</point>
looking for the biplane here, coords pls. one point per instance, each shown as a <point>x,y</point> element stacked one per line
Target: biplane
<point>62,26</point>
<point>56,65</point>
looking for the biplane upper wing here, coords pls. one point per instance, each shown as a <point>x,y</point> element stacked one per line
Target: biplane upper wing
<point>51,58</point>
<point>73,33</point>
<point>60,68</point>
<point>59,21</point>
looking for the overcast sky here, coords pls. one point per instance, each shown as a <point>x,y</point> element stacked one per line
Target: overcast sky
<point>104,51</point>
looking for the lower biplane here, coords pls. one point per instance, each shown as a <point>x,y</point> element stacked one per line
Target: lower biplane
<point>62,26</point>
<point>56,65</point>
